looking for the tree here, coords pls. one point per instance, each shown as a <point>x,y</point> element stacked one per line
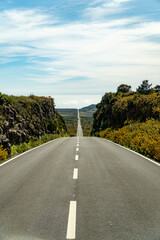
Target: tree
<point>124,88</point>
<point>157,88</point>
<point>145,87</point>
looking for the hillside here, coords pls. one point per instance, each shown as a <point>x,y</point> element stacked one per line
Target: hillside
<point>91,107</point>
<point>88,111</point>
<point>23,118</point>
<point>117,109</point>
<point>130,119</point>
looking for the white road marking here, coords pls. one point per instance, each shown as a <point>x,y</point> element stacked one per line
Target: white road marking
<point>71,228</point>
<point>77,144</point>
<point>76,157</point>
<point>75,173</point>
<point>77,149</point>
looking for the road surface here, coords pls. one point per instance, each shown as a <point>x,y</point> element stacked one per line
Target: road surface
<point>79,129</point>
<point>80,188</point>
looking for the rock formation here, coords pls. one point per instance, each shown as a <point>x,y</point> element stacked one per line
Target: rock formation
<point>24,117</point>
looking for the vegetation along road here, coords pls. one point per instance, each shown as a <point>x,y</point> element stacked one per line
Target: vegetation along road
<point>83,188</point>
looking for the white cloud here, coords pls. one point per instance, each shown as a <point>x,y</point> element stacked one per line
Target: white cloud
<point>28,18</point>
<point>109,3</point>
<point>104,53</point>
<point>101,8</point>
<point>74,101</point>
<point>115,3</point>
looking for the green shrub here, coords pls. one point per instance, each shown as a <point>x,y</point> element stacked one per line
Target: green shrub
<point>14,150</point>
<point>34,142</point>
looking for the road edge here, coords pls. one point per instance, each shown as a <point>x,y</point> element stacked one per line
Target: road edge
<point>21,154</point>
<point>139,154</point>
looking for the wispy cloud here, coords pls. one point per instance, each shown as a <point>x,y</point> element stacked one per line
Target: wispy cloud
<point>99,51</point>
<point>101,8</point>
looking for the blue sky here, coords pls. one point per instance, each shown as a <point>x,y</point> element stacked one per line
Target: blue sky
<point>76,50</point>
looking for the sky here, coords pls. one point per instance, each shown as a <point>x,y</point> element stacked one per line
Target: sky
<point>75,51</point>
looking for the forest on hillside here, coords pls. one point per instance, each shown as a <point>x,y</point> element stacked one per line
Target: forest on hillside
<point>131,118</point>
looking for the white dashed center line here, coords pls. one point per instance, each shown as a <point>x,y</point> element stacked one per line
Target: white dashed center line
<point>71,228</point>
<point>75,173</point>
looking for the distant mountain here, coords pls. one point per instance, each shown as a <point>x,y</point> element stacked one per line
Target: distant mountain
<point>89,108</point>
<point>67,112</point>
<point>88,111</point>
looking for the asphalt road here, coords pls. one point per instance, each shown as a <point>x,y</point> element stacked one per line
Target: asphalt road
<point>79,129</point>
<point>80,188</point>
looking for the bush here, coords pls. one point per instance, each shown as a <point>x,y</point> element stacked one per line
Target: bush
<point>3,154</point>
<point>142,137</point>
<point>22,147</point>
<point>14,150</point>
<point>115,110</point>
<point>157,152</point>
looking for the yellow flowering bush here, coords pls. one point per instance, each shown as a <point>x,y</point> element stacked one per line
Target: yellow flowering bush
<point>157,152</point>
<point>3,153</point>
<point>142,137</point>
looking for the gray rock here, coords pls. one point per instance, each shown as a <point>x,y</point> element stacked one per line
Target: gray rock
<point>14,136</point>
<point>6,125</point>
<point>11,122</point>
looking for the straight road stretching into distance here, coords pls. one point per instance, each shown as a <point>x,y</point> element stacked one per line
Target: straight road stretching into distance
<point>81,188</point>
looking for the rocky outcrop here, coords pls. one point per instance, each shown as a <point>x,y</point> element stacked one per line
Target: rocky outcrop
<point>24,117</point>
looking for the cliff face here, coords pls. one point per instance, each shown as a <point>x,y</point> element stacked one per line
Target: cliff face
<point>24,117</point>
